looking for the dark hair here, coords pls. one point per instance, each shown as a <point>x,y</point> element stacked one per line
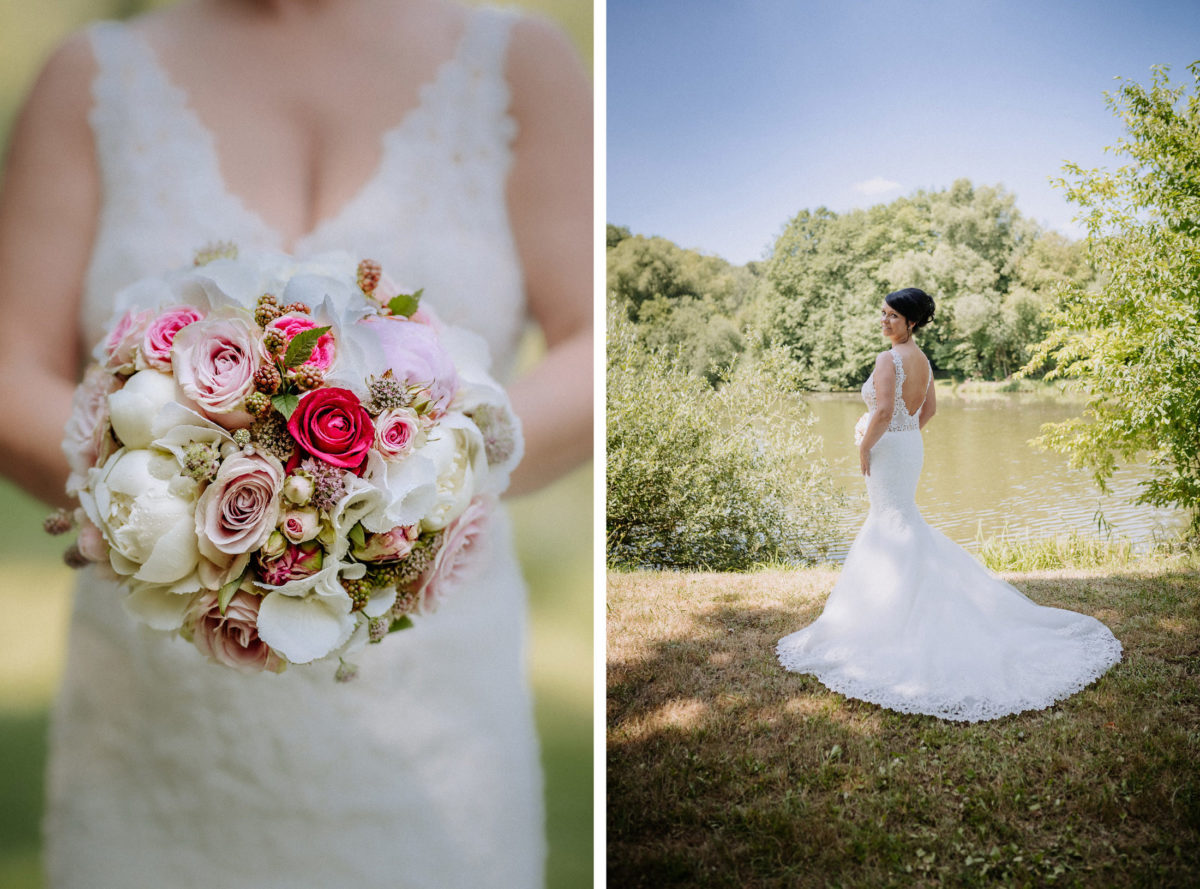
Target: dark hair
<point>914,304</point>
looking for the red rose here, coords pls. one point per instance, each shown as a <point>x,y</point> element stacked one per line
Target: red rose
<point>333,426</point>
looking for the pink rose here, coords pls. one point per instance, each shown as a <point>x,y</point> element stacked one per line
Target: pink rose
<point>395,431</point>
<point>157,340</point>
<point>231,638</point>
<point>334,427</point>
<point>296,561</point>
<point>417,359</point>
<point>454,555</point>
<point>214,361</point>
<point>296,322</point>
<point>390,546</point>
<point>87,441</point>
<point>120,348</point>
<point>239,509</point>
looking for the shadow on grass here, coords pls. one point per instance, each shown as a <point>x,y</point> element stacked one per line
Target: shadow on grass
<point>725,770</point>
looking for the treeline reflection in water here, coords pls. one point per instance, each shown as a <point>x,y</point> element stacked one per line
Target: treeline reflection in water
<point>982,478</point>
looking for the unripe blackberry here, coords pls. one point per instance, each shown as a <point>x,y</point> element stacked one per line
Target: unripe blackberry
<point>297,307</point>
<point>369,272</point>
<point>268,379</point>
<point>74,558</point>
<point>58,522</point>
<point>359,591</point>
<point>274,341</point>
<point>258,404</point>
<point>306,377</point>
<point>265,314</point>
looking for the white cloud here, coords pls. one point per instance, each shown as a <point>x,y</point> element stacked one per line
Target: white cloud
<point>878,185</point>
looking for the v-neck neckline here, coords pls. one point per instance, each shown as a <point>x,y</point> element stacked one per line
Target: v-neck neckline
<point>186,108</point>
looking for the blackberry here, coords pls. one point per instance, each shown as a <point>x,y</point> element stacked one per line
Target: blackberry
<point>268,379</point>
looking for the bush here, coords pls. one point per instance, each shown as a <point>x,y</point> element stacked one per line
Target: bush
<point>700,478</point>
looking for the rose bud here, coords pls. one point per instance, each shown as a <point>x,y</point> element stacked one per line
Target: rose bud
<point>389,546</point>
<point>298,487</point>
<point>274,546</point>
<point>300,525</point>
<point>296,561</point>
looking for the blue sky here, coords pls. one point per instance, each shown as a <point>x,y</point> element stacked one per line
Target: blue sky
<point>727,117</point>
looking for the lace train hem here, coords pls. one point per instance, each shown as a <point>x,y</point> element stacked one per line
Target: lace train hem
<point>1105,655</point>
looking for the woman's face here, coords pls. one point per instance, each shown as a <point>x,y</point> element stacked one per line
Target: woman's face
<point>893,324</point>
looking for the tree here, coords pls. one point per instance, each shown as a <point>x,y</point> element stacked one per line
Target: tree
<point>1134,341</point>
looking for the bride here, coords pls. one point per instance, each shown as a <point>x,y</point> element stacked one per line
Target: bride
<point>452,144</point>
<point>914,622</point>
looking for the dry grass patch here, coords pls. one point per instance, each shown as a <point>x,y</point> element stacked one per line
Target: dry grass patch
<point>725,770</point>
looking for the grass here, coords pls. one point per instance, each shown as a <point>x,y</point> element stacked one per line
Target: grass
<point>1072,550</point>
<point>726,771</point>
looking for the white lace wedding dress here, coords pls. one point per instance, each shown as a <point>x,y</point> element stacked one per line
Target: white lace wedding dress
<point>170,772</point>
<point>916,624</point>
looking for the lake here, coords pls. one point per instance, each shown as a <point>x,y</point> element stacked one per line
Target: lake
<point>982,477</point>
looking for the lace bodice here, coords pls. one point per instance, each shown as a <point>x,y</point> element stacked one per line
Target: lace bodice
<point>902,420</point>
<point>434,213</point>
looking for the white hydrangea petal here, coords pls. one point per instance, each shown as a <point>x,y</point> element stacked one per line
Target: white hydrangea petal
<point>302,630</point>
<point>410,487</point>
<point>381,602</point>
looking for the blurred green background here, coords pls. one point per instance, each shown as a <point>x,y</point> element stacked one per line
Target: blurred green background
<point>554,533</point>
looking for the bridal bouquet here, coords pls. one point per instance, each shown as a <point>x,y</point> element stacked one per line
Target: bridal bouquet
<point>283,460</point>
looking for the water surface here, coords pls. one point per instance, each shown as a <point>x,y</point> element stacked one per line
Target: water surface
<point>981,476</point>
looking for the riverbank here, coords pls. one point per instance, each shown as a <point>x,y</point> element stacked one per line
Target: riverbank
<point>724,770</point>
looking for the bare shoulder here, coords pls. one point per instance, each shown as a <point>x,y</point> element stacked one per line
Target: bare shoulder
<point>63,86</point>
<point>543,68</point>
<point>883,361</point>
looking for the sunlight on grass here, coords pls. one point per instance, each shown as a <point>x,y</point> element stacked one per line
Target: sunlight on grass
<point>36,595</point>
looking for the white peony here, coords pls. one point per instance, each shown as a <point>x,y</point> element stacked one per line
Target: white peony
<point>145,508</point>
<point>456,449</point>
<point>133,408</point>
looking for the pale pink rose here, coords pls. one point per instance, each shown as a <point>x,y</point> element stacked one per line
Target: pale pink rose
<point>87,441</point>
<point>239,509</point>
<point>390,546</point>
<point>395,432</point>
<point>296,322</point>
<point>214,361</point>
<point>157,340</point>
<point>121,345</point>
<point>296,561</point>
<point>231,638</point>
<point>461,538</point>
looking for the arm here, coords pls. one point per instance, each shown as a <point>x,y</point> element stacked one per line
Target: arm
<point>550,205</point>
<point>885,397</point>
<point>929,408</point>
<point>49,201</point>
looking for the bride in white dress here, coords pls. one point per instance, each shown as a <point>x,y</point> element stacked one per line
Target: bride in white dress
<point>454,146</point>
<point>914,622</point>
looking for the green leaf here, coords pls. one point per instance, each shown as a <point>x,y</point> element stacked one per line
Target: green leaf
<point>301,347</point>
<point>400,623</point>
<point>405,303</point>
<point>227,591</point>
<point>286,403</point>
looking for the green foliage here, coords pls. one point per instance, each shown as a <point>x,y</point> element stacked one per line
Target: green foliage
<point>1135,341</point>
<point>704,478</point>
<point>989,269</point>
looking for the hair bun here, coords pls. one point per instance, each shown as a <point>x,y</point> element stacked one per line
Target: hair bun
<point>914,304</point>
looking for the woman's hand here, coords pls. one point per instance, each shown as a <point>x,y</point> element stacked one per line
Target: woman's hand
<point>864,460</point>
